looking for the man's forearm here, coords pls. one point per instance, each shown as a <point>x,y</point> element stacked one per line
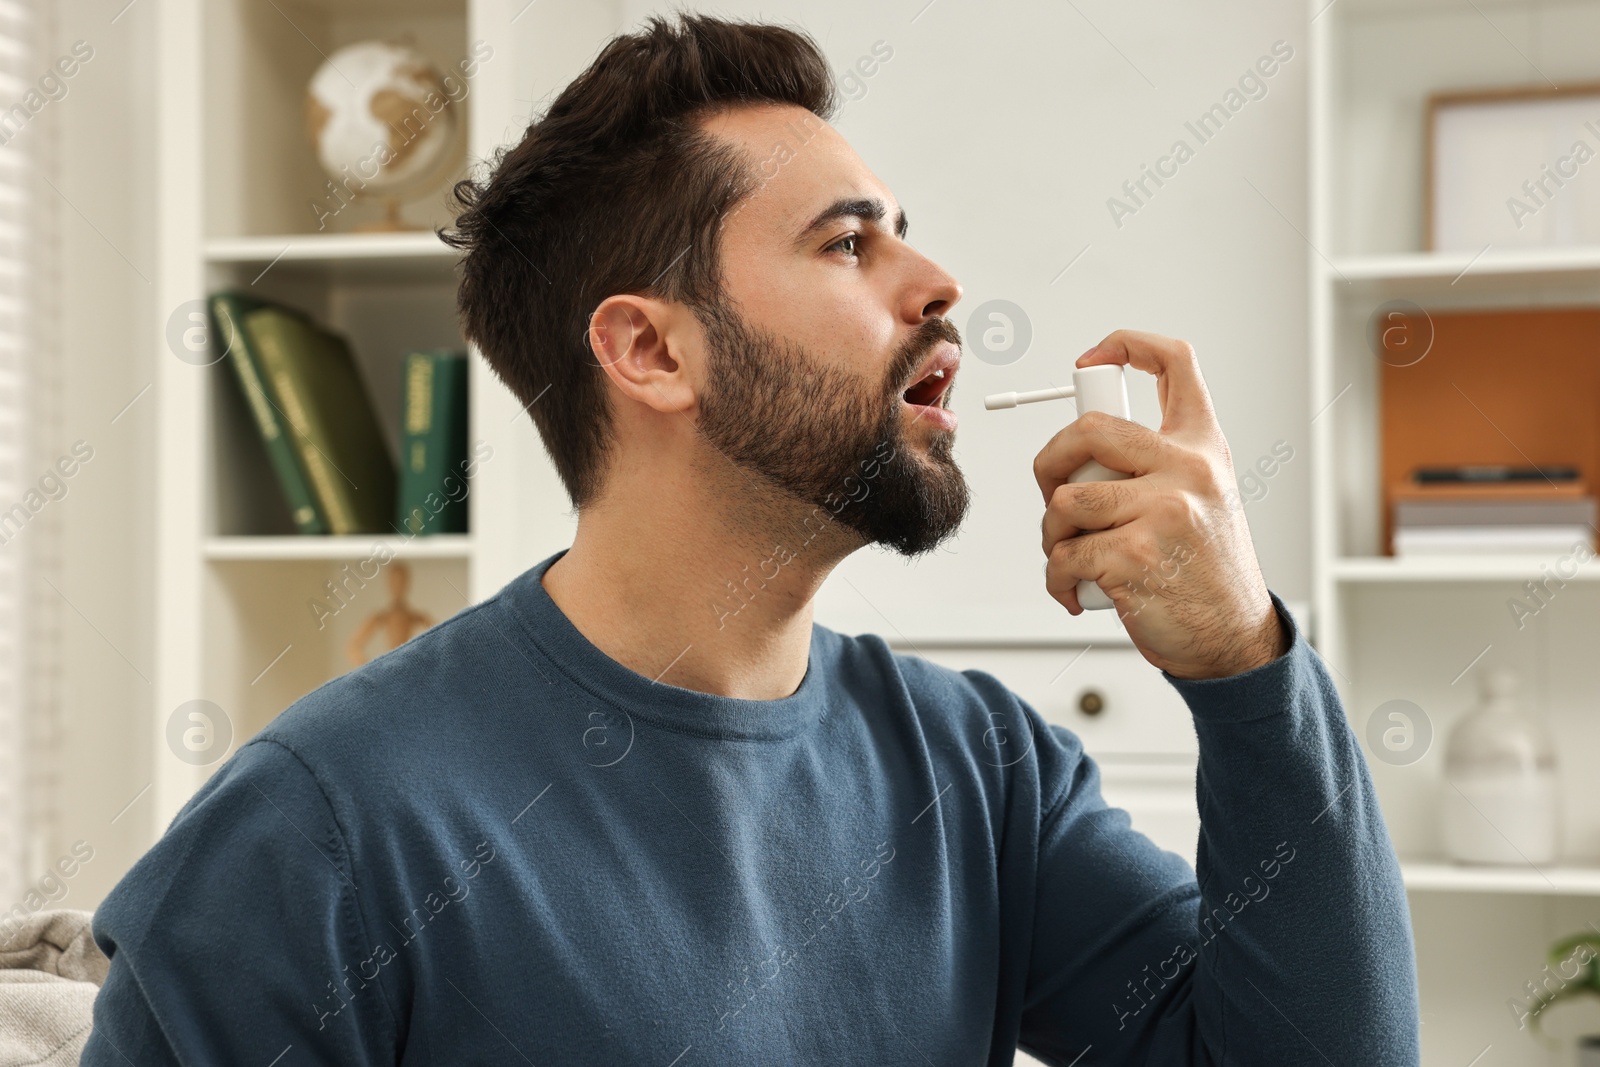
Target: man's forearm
<point>1302,950</point>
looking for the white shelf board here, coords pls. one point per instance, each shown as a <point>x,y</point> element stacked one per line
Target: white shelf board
<point>347,547</point>
<point>1474,568</point>
<point>373,257</point>
<point>1390,8</point>
<point>1443,275</point>
<point>303,247</point>
<point>388,7</point>
<point>1554,880</point>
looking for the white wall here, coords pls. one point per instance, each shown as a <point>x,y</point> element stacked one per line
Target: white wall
<point>101,320</point>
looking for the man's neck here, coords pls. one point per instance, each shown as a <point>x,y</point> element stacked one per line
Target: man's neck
<point>682,592</point>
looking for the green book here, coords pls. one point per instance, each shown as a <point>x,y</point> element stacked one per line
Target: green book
<point>433,448</point>
<point>330,418</point>
<point>227,312</point>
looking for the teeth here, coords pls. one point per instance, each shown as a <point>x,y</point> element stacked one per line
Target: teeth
<point>936,376</point>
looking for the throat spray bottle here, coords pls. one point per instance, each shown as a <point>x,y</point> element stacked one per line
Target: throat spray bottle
<point>1103,387</point>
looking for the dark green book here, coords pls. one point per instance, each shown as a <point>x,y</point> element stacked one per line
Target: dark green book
<point>227,332</point>
<point>433,445</point>
<point>331,421</point>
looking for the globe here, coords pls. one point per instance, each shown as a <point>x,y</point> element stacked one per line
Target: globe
<point>384,126</point>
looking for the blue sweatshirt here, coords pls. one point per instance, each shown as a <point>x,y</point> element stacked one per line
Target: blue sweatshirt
<point>496,845</point>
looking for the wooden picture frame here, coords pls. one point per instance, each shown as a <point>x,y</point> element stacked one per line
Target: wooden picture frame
<point>1541,113</point>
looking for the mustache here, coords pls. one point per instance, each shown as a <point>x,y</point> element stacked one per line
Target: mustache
<point>917,347</point>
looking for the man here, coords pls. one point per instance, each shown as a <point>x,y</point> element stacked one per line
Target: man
<point>638,808</point>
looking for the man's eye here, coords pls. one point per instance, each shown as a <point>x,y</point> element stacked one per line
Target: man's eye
<point>850,240</point>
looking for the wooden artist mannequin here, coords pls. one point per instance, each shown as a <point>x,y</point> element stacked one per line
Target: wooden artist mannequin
<point>399,622</point>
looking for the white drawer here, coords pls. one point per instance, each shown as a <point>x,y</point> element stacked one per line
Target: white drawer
<point>1112,698</point>
<point>1158,794</point>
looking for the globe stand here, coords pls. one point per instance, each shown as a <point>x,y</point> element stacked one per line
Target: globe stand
<point>391,221</point>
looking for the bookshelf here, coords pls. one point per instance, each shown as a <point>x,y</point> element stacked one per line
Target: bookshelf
<point>1419,629</point>
<point>233,579</point>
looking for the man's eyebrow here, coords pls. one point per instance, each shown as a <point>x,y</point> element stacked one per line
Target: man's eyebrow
<point>865,208</point>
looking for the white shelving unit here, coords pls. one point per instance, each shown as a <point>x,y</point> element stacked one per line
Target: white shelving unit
<point>1420,630</point>
<point>234,581</point>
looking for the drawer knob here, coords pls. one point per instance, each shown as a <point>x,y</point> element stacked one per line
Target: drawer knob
<point>1091,703</point>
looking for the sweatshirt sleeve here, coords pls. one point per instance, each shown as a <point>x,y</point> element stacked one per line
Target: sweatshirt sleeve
<point>1290,942</point>
<point>227,937</point>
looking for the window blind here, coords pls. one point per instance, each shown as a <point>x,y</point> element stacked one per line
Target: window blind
<point>20,71</point>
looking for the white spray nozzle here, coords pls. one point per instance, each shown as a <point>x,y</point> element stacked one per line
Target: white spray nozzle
<point>996,401</point>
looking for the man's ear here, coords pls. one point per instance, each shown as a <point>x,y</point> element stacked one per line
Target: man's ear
<point>628,336</point>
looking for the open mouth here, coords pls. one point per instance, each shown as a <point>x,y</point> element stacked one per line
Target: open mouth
<point>930,391</point>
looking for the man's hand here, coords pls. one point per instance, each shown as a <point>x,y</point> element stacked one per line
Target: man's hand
<point>1169,545</point>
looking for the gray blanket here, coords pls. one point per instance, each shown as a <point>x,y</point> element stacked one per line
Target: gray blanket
<point>50,971</point>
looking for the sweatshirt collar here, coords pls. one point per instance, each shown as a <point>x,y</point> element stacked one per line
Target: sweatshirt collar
<point>546,628</point>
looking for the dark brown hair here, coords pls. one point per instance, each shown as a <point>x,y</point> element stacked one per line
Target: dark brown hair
<point>616,189</point>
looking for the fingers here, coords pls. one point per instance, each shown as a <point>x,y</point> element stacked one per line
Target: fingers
<point>1133,564</point>
<point>1089,506</point>
<point>1117,443</point>
<point>1087,557</point>
<point>1185,401</point>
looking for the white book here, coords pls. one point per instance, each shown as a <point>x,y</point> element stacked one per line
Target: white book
<point>1471,540</point>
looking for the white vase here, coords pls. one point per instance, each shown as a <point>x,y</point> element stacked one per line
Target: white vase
<point>1501,802</point>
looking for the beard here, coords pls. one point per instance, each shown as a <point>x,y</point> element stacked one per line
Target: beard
<point>819,435</point>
